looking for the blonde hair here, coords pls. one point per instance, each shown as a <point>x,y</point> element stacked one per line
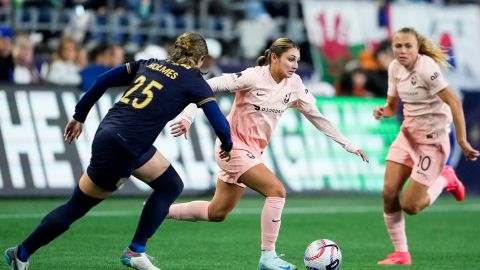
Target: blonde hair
<point>427,47</point>
<point>278,47</point>
<point>188,48</point>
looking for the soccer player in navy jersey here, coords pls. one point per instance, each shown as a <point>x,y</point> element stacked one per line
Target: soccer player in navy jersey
<point>158,90</point>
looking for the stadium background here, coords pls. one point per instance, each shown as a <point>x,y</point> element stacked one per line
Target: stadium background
<point>332,194</point>
<point>334,35</point>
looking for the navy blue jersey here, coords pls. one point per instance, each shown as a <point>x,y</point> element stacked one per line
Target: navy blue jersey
<point>158,92</point>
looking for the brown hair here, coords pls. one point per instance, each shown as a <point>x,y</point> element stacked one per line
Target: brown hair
<point>427,47</point>
<point>278,47</point>
<point>188,48</point>
<point>58,55</point>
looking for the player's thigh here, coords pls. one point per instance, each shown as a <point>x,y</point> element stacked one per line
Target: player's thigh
<point>415,192</point>
<point>415,197</point>
<point>226,197</point>
<point>153,168</point>
<point>262,180</point>
<point>91,189</point>
<point>396,175</point>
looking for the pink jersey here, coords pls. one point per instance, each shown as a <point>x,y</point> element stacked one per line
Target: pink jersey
<point>260,102</point>
<point>426,115</point>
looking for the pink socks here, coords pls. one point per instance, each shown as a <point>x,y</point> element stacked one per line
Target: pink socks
<point>396,228</point>
<point>436,189</point>
<point>271,220</point>
<point>191,211</point>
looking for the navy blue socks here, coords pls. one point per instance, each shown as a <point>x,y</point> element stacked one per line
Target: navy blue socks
<point>166,189</point>
<point>57,222</point>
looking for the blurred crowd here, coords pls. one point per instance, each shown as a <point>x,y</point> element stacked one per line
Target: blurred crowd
<point>95,35</point>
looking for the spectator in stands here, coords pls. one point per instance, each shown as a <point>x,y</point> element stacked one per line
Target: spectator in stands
<point>82,58</point>
<point>25,71</point>
<point>99,61</point>
<point>377,78</point>
<point>116,55</point>
<point>6,58</point>
<point>210,65</point>
<point>63,70</point>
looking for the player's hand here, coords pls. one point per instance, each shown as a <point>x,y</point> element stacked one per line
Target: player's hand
<point>72,130</point>
<point>364,156</point>
<point>180,128</point>
<point>378,112</point>
<point>225,155</point>
<point>469,152</point>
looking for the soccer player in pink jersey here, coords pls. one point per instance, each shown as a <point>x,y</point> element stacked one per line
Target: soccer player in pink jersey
<point>262,94</point>
<point>422,145</point>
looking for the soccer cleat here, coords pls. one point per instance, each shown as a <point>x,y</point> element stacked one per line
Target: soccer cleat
<point>397,258</point>
<point>273,262</point>
<point>139,261</point>
<point>454,185</point>
<point>13,261</point>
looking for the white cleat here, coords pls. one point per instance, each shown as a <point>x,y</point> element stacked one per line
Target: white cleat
<point>13,261</point>
<point>136,260</point>
<point>271,261</point>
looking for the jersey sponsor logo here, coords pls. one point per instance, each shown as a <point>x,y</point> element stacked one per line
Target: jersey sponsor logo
<point>260,94</point>
<point>269,110</point>
<point>239,74</point>
<point>275,220</point>
<point>434,76</point>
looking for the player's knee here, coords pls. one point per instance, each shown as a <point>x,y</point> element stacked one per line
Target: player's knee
<point>389,195</point>
<point>217,216</point>
<point>412,209</point>
<point>277,191</point>
<point>169,181</point>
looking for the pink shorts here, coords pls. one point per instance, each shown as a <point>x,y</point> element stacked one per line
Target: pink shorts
<point>426,160</point>
<point>242,159</point>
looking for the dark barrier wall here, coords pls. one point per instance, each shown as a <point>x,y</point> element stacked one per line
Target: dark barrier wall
<point>35,161</point>
<point>468,171</point>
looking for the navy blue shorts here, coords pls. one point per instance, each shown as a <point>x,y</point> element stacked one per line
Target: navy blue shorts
<point>111,163</point>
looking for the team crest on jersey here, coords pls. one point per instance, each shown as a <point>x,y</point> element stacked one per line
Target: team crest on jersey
<point>413,80</point>
<point>287,98</point>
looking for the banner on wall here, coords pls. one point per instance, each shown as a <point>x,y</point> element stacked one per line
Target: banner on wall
<point>339,31</point>
<point>34,159</point>
<point>454,28</point>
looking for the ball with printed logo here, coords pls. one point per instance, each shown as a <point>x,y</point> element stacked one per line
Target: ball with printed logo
<point>322,254</point>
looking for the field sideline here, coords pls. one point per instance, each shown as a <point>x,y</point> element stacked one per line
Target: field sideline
<point>446,236</point>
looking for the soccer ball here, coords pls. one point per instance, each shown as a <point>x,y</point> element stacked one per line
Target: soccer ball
<point>322,254</point>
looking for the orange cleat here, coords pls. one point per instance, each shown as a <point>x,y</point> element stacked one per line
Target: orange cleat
<point>454,185</point>
<point>397,258</point>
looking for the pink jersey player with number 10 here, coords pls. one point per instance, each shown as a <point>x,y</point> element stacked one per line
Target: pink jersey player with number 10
<point>422,146</point>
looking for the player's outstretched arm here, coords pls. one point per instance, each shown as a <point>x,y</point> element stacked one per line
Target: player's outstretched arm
<point>118,76</point>
<point>220,125</point>
<point>449,97</point>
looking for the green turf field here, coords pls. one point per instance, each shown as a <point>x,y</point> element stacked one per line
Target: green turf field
<point>445,236</point>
